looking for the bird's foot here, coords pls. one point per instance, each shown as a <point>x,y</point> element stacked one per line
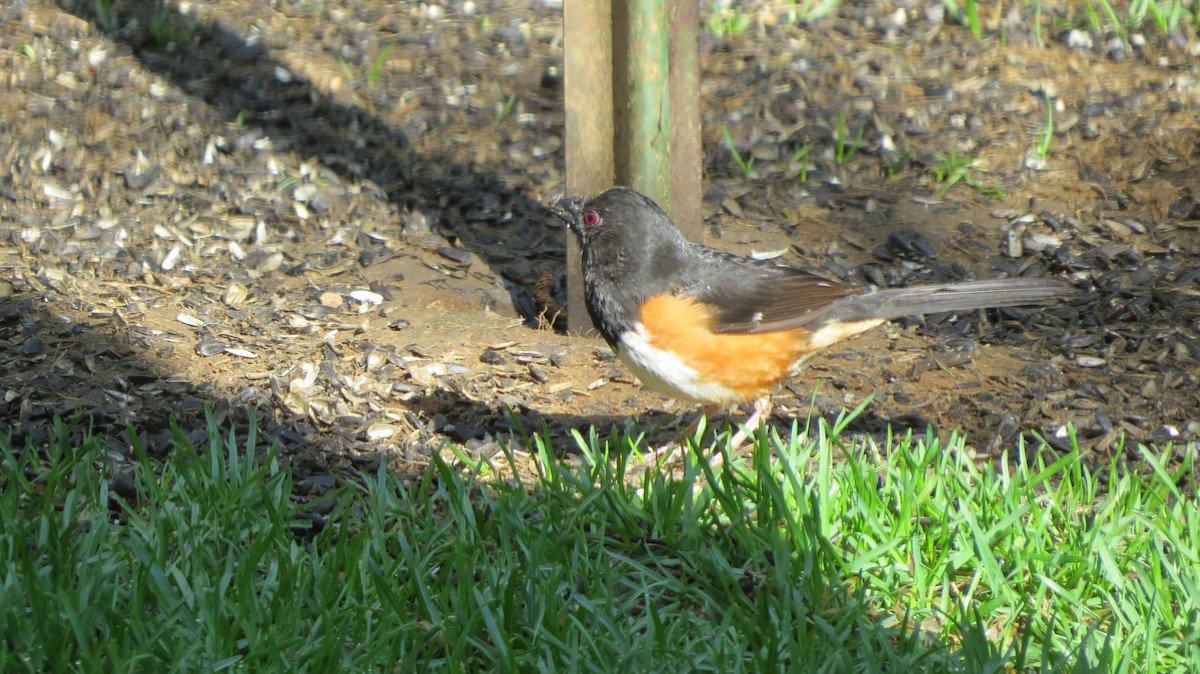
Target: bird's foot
<point>673,452</point>
<point>762,412</point>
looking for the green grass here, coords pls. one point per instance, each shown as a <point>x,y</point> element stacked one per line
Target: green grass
<point>169,28</point>
<point>1045,136</point>
<point>745,163</point>
<point>1167,19</point>
<point>1099,17</point>
<point>377,65</point>
<point>374,72</point>
<point>801,157</point>
<point>1102,16</point>
<point>845,149</point>
<point>506,109</point>
<point>902,558</point>
<point>901,163</point>
<point>723,19</point>
<point>106,15</point>
<point>1037,25</point>
<point>952,169</point>
<point>967,15</point>
<point>809,11</point>
<point>1109,13</point>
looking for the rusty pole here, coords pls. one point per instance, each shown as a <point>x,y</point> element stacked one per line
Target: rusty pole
<point>587,85</point>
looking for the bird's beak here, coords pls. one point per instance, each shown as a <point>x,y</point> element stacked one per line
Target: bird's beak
<point>567,210</point>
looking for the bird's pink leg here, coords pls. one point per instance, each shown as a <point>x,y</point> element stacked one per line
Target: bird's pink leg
<point>672,452</point>
<point>708,413</point>
<point>762,411</point>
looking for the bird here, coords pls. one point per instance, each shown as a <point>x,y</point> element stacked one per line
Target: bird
<point>708,327</point>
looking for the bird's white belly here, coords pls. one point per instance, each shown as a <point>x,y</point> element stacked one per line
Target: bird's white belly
<point>664,372</point>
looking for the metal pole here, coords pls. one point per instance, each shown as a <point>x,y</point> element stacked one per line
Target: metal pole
<point>641,66</point>
<point>687,188</point>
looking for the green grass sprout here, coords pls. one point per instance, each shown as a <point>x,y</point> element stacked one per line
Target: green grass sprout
<point>506,109</point>
<point>952,169</point>
<point>723,20</point>
<point>844,152</point>
<point>802,12</point>
<point>900,164</point>
<point>168,28</point>
<point>106,15</point>
<point>1045,137</point>
<point>966,15</point>
<point>801,157</point>
<point>377,65</point>
<point>744,164</point>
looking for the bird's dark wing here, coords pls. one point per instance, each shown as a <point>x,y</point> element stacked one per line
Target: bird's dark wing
<point>751,296</point>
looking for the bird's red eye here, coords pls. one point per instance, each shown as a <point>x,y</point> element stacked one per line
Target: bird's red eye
<point>591,218</point>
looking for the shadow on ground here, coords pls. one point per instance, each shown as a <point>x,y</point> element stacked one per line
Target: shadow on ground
<point>236,75</point>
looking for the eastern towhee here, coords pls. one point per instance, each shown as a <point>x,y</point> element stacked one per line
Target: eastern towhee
<point>706,326</point>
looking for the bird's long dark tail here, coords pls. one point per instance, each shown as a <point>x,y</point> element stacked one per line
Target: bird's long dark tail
<point>933,299</point>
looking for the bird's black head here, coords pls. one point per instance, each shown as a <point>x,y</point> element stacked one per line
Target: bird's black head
<point>631,251</point>
<point>618,217</point>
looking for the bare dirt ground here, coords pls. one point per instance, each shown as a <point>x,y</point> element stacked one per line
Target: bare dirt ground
<point>332,213</point>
